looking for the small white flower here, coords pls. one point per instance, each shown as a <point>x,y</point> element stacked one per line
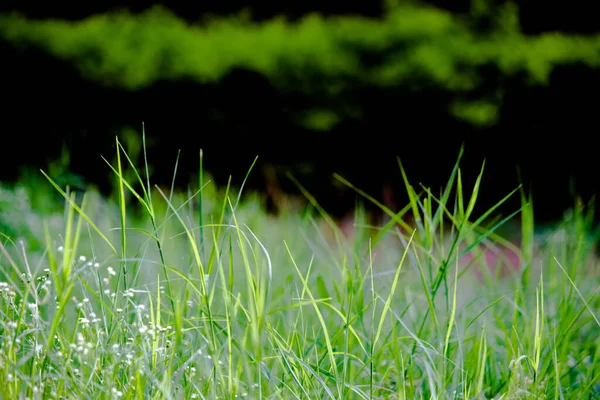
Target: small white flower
<point>111,271</point>
<point>60,249</point>
<point>82,258</point>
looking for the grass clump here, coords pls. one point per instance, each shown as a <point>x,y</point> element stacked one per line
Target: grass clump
<point>208,297</point>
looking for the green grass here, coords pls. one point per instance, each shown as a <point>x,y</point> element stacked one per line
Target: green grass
<point>157,294</point>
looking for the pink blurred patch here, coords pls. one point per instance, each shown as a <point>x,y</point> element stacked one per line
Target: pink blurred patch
<point>497,257</point>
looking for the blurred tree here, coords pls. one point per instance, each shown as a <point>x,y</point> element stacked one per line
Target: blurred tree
<point>193,11</point>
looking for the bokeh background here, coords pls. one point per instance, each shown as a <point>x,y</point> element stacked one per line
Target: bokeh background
<point>312,88</point>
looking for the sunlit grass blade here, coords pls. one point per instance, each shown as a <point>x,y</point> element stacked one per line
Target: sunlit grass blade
<point>123,217</point>
<point>589,308</point>
<point>451,319</point>
<point>396,217</point>
<point>72,203</point>
<point>388,302</point>
<point>308,291</point>
<point>200,203</point>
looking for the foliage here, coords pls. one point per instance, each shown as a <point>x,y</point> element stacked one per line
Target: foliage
<point>412,46</point>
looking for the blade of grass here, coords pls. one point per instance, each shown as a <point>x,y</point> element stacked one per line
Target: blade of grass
<point>388,302</point>
<point>307,290</point>
<point>590,310</point>
<point>123,217</point>
<point>87,219</point>
<point>200,203</point>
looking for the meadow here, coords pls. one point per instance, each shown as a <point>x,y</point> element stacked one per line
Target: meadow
<point>157,293</point>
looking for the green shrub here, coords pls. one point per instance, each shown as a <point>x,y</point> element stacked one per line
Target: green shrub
<point>413,46</point>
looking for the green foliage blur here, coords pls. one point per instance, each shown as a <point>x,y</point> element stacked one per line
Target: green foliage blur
<point>413,45</point>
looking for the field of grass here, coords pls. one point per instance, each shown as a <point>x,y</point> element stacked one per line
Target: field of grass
<point>156,294</point>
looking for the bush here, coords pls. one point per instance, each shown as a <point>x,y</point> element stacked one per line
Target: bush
<point>418,47</point>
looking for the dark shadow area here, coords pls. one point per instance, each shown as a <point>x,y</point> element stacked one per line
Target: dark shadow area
<point>546,132</point>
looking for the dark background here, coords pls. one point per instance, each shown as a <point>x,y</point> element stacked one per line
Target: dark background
<point>547,132</point>
<point>535,16</point>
